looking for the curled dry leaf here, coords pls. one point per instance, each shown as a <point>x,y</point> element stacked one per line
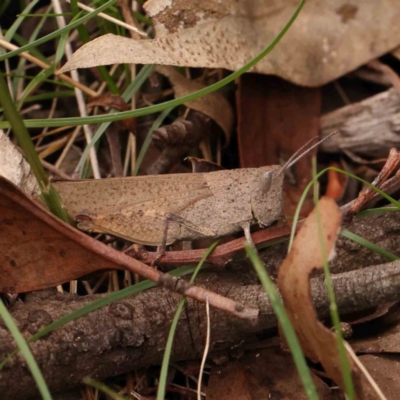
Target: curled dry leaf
<point>14,167</point>
<point>327,40</point>
<point>318,342</point>
<point>214,105</point>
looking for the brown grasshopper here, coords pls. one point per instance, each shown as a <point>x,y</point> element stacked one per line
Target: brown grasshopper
<point>157,210</point>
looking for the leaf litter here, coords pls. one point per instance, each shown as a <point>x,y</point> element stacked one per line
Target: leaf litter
<point>330,39</point>
<point>227,25</point>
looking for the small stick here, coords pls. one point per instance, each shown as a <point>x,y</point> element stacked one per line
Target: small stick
<point>111,19</point>
<point>392,162</point>
<point>41,64</point>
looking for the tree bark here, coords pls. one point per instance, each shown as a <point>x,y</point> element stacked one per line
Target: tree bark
<point>132,333</point>
<point>368,128</point>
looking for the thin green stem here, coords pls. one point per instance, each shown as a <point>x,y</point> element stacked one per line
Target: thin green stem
<point>156,124</point>
<point>24,140</point>
<point>26,352</point>
<point>284,321</point>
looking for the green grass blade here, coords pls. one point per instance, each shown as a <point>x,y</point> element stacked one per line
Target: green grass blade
<point>376,211</point>
<point>287,328</point>
<point>13,28</point>
<point>21,41</point>
<point>37,80</point>
<point>58,32</point>
<point>49,95</point>
<point>369,245</point>
<point>22,62</point>
<point>24,140</point>
<point>168,347</point>
<point>156,124</point>
<point>133,87</point>
<point>3,6</point>
<point>74,121</point>
<point>47,14</point>
<point>105,389</point>
<point>26,352</point>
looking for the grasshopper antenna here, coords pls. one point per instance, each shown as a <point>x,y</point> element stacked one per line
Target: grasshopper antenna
<point>301,152</point>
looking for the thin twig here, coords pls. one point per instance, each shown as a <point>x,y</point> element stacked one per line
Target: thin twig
<point>55,170</point>
<point>391,164</point>
<point>111,19</point>
<point>44,65</point>
<point>365,372</point>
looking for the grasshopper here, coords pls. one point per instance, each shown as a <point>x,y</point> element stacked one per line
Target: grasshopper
<point>157,210</point>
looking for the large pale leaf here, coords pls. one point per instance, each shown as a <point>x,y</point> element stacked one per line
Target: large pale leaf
<point>327,40</point>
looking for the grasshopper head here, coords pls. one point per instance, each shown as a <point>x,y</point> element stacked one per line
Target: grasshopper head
<point>266,198</point>
<point>267,184</point>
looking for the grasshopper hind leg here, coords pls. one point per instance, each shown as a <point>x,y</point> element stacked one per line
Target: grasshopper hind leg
<point>163,246</point>
<point>247,235</point>
<point>195,229</point>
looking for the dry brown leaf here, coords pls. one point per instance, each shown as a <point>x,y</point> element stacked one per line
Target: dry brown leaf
<point>318,342</point>
<point>327,40</point>
<point>337,183</point>
<point>36,249</point>
<point>214,105</point>
<point>14,167</point>
<point>264,374</point>
<point>228,382</point>
<point>275,119</point>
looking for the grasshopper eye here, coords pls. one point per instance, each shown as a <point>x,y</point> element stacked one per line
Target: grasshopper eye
<point>267,181</point>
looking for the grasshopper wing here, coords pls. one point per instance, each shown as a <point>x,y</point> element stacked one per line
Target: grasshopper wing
<point>135,208</point>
